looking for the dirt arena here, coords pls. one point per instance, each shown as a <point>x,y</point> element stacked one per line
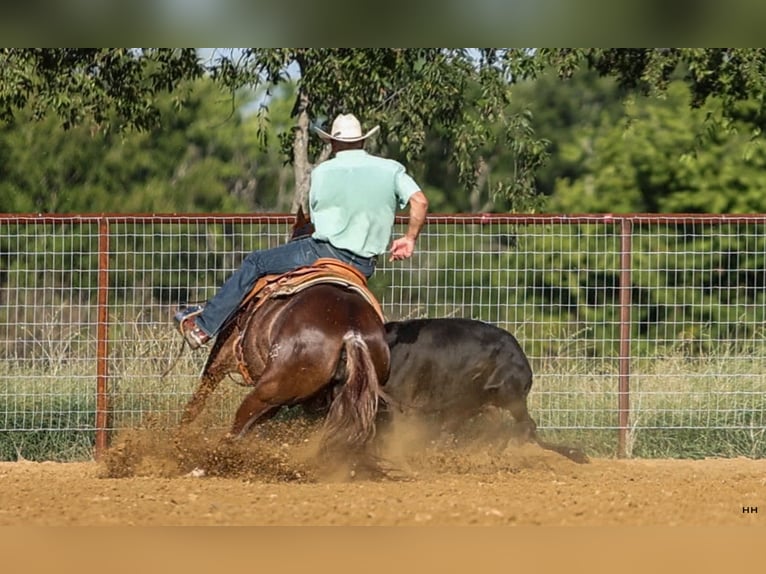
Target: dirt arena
<point>144,481</point>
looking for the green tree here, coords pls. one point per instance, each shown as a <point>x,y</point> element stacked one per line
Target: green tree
<point>560,109</point>
<point>652,160</point>
<point>203,156</point>
<point>105,87</point>
<point>731,74</point>
<point>456,94</point>
<point>460,96</point>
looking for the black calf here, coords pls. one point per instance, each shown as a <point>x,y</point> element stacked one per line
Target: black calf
<point>453,368</point>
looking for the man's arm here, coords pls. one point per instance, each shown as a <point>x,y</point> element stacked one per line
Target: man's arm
<point>403,247</point>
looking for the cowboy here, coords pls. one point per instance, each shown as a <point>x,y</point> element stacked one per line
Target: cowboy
<point>353,199</point>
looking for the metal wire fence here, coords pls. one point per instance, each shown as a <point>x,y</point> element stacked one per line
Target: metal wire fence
<point>645,332</point>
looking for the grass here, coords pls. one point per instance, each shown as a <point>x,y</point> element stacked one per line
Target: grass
<point>40,424</point>
<point>681,407</point>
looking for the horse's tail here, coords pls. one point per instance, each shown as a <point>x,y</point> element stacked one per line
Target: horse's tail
<point>350,422</point>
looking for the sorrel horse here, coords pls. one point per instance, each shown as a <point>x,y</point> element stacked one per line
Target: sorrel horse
<point>325,339</point>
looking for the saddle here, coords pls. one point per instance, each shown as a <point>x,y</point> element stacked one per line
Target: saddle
<point>323,270</point>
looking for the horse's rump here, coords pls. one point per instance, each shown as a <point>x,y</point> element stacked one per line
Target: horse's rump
<point>284,312</point>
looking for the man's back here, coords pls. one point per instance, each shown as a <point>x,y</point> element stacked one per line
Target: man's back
<point>354,198</point>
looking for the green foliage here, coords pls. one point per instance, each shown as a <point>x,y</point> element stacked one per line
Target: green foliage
<point>559,109</point>
<point>106,87</point>
<point>455,97</point>
<point>205,157</point>
<point>662,156</point>
<point>446,112</point>
<point>731,74</point>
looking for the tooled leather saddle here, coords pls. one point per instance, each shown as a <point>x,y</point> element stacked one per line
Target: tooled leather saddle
<point>324,270</point>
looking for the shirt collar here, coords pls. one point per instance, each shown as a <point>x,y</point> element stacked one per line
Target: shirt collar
<point>347,152</point>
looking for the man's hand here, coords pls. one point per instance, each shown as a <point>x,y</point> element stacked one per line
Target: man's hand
<point>402,248</point>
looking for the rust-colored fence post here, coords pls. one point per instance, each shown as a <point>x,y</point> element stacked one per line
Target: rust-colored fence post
<point>623,393</point>
<point>102,339</point>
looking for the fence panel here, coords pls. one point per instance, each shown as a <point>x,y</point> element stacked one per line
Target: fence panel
<point>663,315</point>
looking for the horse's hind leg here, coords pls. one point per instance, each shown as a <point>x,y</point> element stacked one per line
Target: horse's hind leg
<point>252,410</point>
<point>259,405</point>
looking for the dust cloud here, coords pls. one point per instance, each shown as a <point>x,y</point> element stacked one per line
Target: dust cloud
<point>288,451</point>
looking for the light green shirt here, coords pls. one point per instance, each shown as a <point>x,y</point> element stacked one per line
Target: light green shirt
<point>353,200</point>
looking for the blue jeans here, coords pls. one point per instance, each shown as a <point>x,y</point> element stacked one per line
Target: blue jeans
<point>281,259</point>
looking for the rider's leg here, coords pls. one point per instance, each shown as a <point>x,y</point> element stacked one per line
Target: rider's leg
<point>198,327</point>
<point>279,259</point>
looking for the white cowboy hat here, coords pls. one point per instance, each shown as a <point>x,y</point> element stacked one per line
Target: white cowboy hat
<point>346,128</point>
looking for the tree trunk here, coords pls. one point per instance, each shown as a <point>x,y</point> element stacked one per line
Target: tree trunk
<point>283,201</point>
<point>301,164</point>
<point>481,174</point>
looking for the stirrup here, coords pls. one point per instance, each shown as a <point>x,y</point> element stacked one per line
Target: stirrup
<point>194,336</point>
<point>187,326</point>
<point>182,315</point>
